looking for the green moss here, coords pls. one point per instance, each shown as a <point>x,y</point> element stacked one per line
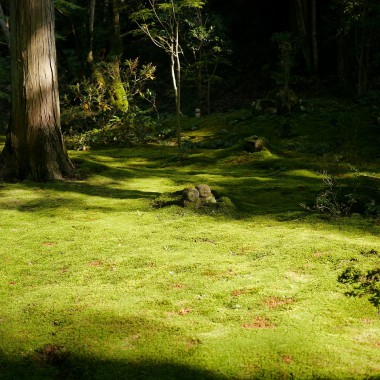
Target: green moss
<point>97,284</point>
<point>119,96</point>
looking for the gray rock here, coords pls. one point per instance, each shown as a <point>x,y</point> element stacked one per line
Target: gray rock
<point>204,190</point>
<point>254,144</point>
<point>191,194</point>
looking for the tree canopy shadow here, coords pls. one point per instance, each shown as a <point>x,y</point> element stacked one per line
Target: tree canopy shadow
<point>67,355</point>
<point>74,367</point>
<point>270,186</point>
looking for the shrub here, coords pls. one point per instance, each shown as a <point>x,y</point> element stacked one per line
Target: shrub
<point>331,200</point>
<point>362,284</point>
<point>91,118</point>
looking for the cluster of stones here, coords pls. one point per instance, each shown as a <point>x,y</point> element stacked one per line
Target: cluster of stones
<point>254,144</point>
<point>198,196</point>
<point>282,102</point>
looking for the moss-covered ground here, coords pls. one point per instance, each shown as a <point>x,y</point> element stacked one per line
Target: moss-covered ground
<point>96,283</point>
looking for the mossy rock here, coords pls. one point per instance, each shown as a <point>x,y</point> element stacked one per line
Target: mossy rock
<point>226,205</point>
<point>286,100</point>
<point>210,203</point>
<point>191,194</point>
<point>255,144</point>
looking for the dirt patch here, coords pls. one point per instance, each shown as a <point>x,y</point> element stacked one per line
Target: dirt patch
<point>259,323</point>
<point>48,243</point>
<point>95,263</point>
<point>240,292</point>
<point>179,286</point>
<point>287,359</point>
<point>274,302</point>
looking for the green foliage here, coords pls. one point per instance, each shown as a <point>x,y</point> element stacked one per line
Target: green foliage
<point>98,119</point>
<point>209,47</point>
<point>363,283</point>
<point>161,23</point>
<point>357,12</point>
<point>67,7</point>
<point>158,18</point>
<point>346,192</point>
<point>330,200</point>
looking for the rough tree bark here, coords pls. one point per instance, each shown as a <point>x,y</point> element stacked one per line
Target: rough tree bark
<point>34,146</point>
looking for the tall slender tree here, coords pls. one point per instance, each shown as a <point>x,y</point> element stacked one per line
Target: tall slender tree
<point>357,38</point>
<point>34,146</point>
<point>161,21</point>
<point>305,12</point>
<point>90,32</point>
<point>4,26</point>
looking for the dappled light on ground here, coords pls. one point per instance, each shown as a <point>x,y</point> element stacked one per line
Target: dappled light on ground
<point>98,282</point>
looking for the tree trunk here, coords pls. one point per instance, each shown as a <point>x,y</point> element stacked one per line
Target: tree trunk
<point>90,33</point>
<point>301,12</point>
<point>210,78</point>
<point>118,93</point>
<point>364,34</point>
<point>177,96</point>
<point>314,42</point>
<point>199,83</point>
<point>178,78</point>
<point>34,146</point>
<point>4,27</point>
<point>363,67</point>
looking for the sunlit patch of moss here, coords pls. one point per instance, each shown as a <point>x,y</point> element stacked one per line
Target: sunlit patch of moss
<point>95,278</point>
<point>303,173</point>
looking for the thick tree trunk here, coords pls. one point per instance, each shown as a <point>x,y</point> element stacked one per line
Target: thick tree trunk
<point>34,146</point>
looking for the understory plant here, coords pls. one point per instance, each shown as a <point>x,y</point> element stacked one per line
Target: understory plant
<point>330,200</point>
<point>97,121</point>
<point>363,283</point>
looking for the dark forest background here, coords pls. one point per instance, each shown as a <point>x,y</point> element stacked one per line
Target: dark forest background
<point>337,55</point>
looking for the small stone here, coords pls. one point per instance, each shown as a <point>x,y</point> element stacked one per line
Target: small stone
<point>191,194</point>
<point>209,199</point>
<point>192,204</point>
<point>254,144</point>
<point>204,190</point>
